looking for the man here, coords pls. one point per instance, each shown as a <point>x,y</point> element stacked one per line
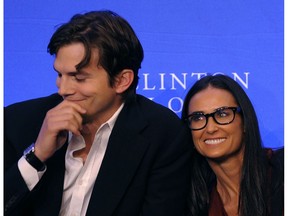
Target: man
<point>96,147</point>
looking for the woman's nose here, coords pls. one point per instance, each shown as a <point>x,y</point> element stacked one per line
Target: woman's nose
<point>211,125</point>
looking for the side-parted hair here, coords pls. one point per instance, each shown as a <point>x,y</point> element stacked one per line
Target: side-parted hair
<point>253,191</point>
<point>119,48</point>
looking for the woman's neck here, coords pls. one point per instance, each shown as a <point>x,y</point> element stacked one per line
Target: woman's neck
<point>228,176</point>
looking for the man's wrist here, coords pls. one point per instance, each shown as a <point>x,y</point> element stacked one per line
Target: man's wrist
<point>32,159</point>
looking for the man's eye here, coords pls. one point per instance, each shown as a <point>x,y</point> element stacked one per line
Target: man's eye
<point>80,78</point>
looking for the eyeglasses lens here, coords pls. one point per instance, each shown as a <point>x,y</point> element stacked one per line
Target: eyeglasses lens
<point>221,116</point>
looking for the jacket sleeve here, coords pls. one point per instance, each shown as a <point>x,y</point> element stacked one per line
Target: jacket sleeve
<point>168,185</point>
<point>22,122</point>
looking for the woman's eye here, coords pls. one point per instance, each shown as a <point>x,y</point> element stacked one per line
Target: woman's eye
<point>223,113</point>
<point>197,118</point>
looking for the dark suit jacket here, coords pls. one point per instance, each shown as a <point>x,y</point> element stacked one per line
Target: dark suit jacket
<point>145,170</point>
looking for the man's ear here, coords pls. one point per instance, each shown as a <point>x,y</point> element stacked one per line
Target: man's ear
<point>124,80</point>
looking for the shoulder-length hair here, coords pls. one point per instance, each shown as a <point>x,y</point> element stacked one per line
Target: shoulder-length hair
<point>253,196</point>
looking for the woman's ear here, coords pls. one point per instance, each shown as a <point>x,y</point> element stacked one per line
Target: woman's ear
<point>124,80</point>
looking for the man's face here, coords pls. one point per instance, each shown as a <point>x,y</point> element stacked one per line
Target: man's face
<point>89,87</point>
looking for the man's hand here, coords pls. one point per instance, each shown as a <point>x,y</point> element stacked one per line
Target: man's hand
<point>67,116</point>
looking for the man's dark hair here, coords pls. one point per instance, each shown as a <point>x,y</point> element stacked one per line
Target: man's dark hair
<point>119,48</point>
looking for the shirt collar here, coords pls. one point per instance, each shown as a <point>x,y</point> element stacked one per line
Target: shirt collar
<point>112,120</point>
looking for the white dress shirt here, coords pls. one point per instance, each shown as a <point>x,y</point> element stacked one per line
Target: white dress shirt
<point>79,177</point>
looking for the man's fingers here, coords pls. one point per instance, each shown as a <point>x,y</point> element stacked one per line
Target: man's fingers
<point>73,106</point>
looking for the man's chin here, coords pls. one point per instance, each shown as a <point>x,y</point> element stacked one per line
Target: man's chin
<point>86,119</point>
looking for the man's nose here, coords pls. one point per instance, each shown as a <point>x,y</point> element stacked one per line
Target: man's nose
<point>65,87</point>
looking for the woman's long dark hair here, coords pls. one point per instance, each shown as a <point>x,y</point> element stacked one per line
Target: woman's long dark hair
<point>253,188</point>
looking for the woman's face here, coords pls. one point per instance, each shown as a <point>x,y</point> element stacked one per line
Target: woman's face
<point>217,141</point>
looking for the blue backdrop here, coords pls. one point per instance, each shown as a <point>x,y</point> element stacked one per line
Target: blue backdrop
<point>182,40</point>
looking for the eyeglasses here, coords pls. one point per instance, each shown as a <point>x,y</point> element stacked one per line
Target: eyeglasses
<point>222,116</point>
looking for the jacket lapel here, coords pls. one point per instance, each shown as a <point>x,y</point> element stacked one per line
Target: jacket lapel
<point>124,153</point>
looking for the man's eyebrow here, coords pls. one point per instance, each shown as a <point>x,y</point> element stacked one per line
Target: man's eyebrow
<point>72,73</point>
<point>82,72</point>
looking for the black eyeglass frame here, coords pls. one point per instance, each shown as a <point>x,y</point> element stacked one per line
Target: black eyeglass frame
<point>234,109</point>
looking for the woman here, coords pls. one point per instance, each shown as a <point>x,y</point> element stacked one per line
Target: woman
<point>232,174</point>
